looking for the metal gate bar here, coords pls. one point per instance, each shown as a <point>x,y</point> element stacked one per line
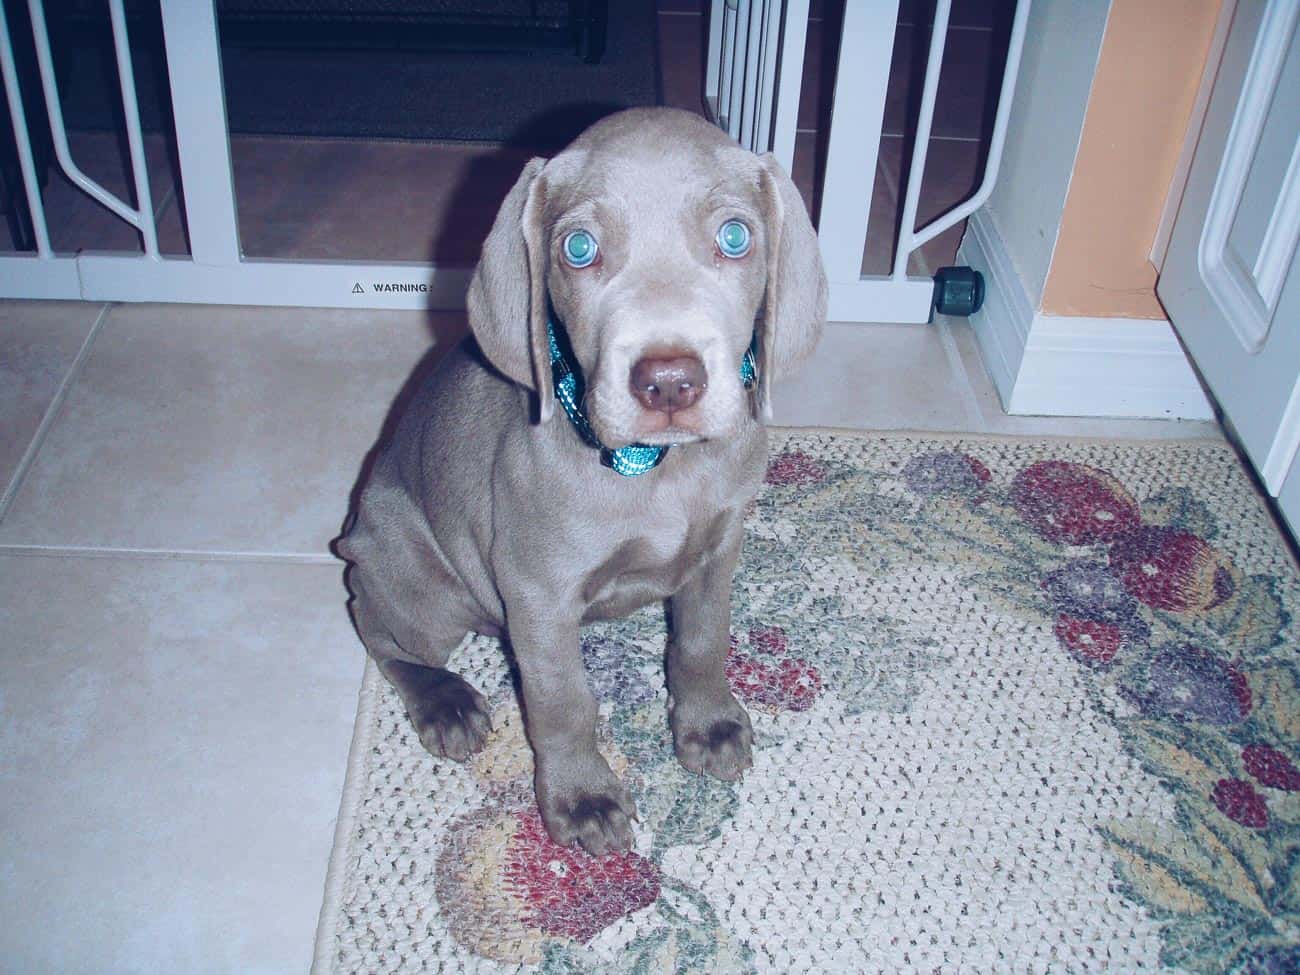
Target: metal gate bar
<point>755,71</point>
<point>142,218</point>
<point>857,121</point>
<point>866,54</point>
<point>912,240</point>
<point>202,142</point>
<point>18,114</point>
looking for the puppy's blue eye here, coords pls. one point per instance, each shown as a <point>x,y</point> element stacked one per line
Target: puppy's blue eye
<point>734,239</point>
<point>580,249</point>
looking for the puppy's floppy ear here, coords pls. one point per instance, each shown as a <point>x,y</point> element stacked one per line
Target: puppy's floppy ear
<point>507,295</point>
<point>794,303</point>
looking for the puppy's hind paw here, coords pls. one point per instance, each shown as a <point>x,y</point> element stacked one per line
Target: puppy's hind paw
<point>452,720</point>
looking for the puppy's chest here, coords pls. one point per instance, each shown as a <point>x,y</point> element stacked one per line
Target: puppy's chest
<point>653,563</point>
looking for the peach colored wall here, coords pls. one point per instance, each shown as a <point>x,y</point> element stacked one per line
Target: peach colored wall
<point>1150,66</point>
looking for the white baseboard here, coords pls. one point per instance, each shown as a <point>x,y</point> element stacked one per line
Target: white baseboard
<point>1053,365</point>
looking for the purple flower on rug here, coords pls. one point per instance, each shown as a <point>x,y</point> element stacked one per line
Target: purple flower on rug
<point>1090,591</point>
<point>1279,960</point>
<point>1239,801</point>
<point>794,467</point>
<point>1073,504</point>
<point>1171,569</point>
<point>1190,683</point>
<point>1270,767</point>
<point>945,472</point>
<point>769,639</point>
<point>610,676</point>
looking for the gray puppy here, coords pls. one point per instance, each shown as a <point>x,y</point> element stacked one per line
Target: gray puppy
<point>655,250</point>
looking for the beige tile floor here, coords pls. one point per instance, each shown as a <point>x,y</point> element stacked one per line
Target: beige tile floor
<point>178,673</point>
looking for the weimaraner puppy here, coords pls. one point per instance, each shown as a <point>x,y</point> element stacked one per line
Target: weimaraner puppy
<point>669,264</point>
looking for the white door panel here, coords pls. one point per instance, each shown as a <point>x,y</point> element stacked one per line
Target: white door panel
<point>1230,281</point>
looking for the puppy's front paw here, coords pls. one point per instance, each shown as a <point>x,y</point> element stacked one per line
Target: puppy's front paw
<point>452,719</point>
<point>586,804</point>
<point>719,743</point>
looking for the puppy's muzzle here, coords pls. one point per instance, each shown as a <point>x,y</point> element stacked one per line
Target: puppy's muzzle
<point>668,382</point>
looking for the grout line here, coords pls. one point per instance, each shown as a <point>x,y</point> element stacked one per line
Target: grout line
<point>965,388</point>
<point>345,831</point>
<point>51,414</point>
<point>165,555</point>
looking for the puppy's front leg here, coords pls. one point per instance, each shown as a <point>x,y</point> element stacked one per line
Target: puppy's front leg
<point>579,796</point>
<point>711,731</point>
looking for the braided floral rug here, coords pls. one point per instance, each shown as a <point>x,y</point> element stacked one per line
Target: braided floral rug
<point>1018,707</point>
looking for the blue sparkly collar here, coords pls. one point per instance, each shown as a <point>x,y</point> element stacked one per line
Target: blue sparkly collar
<point>566,374</point>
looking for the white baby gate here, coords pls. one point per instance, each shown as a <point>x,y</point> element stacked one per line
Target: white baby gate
<point>756,50</point>
<point>755,64</point>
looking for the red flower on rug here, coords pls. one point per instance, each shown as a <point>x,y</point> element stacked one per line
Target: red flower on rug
<point>568,893</point>
<point>1270,767</point>
<point>794,467</point>
<point>1092,641</point>
<point>1072,503</point>
<point>785,684</point>
<point>1240,688</point>
<point>1240,802</point>
<point>1171,569</point>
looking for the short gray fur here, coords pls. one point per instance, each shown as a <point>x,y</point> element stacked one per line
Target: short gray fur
<point>485,512</point>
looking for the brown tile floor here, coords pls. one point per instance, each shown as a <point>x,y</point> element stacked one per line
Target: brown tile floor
<point>337,199</point>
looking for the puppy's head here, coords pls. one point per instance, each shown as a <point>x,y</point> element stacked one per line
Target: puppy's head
<point>661,246</point>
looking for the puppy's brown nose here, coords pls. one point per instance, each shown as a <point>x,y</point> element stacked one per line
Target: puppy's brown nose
<point>668,382</point>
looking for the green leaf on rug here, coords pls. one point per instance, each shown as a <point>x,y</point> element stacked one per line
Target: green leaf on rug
<point>1155,885</point>
<point>1202,944</point>
<point>1252,620</point>
<point>1172,761</point>
<point>1231,874</point>
<point>1277,701</point>
<point>1178,507</point>
<point>561,958</point>
<point>692,942</point>
<point>700,807</point>
<point>686,950</point>
<point>1289,893</point>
